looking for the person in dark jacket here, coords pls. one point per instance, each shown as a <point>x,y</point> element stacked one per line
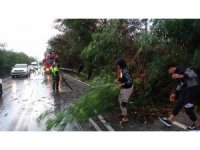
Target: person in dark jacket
<point>1,89</point>
<point>125,82</point>
<point>80,68</point>
<point>185,93</point>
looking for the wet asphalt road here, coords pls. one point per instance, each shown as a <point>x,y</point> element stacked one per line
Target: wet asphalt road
<point>24,99</point>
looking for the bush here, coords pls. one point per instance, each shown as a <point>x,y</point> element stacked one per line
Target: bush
<point>196,59</point>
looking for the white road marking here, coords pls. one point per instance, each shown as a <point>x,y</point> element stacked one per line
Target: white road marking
<point>94,125</point>
<point>107,125</point>
<point>78,126</point>
<point>180,125</point>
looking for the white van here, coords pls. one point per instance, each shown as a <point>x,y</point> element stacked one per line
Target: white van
<point>35,65</point>
<point>20,70</point>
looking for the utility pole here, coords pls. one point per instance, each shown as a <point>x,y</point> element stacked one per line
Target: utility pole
<point>146,25</point>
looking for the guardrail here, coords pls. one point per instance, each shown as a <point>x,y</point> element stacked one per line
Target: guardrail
<point>69,70</point>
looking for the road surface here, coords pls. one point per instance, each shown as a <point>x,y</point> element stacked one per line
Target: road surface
<point>25,99</point>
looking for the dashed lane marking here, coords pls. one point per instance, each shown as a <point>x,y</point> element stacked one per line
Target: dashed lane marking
<point>180,125</point>
<point>107,125</point>
<point>94,125</point>
<point>79,126</point>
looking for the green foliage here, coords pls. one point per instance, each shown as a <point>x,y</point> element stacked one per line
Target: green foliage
<point>184,32</point>
<point>101,79</point>
<point>95,42</point>
<point>151,42</point>
<point>83,28</point>
<point>156,68</point>
<point>196,59</point>
<point>103,96</point>
<point>157,75</point>
<point>107,44</point>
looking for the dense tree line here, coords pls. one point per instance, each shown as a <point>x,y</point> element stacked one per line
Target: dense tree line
<point>147,45</point>
<point>9,58</point>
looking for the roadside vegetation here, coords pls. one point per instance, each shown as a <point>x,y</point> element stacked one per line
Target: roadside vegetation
<point>101,97</point>
<point>147,45</point>
<point>9,58</point>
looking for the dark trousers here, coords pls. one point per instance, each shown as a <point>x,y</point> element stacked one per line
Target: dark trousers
<point>56,81</point>
<point>1,90</point>
<point>186,99</point>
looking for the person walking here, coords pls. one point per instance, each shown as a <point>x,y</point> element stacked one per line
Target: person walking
<point>185,93</point>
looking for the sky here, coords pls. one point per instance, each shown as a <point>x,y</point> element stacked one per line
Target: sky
<point>26,25</point>
<point>27,35</point>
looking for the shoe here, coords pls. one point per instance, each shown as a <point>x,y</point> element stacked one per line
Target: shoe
<point>121,116</point>
<point>124,120</point>
<point>193,128</point>
<point>166,122</point>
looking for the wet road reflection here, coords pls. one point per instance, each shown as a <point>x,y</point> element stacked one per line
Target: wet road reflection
<point>24,99</point>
